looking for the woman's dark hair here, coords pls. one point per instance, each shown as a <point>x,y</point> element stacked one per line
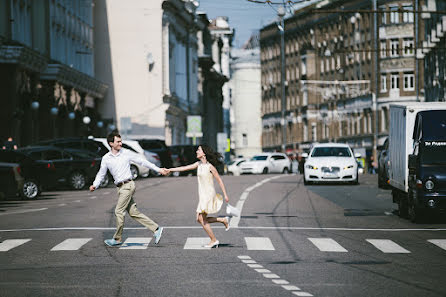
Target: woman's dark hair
<point>212,157</point>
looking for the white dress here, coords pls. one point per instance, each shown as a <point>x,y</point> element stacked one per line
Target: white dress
<point>209,202</point>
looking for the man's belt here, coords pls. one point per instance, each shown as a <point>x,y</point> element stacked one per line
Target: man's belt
<point>123,183</point>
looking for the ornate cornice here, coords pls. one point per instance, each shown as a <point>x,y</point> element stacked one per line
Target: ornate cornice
<point>76,79</point>
<point>23,56</point>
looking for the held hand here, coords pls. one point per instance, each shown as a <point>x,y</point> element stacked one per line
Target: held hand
<point>92,188</point>
<point>226,198</point>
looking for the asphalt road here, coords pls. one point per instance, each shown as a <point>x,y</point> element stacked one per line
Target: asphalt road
<point>291,240</point>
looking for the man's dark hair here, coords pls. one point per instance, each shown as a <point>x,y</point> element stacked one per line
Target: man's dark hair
<point>112,135</point>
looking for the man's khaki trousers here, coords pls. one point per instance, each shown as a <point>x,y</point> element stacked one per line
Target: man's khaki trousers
<point>126,203</point>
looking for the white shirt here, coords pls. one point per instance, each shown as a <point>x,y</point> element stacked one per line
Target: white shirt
<point>119,166</point>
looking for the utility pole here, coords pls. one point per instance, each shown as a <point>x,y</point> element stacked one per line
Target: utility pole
<point>281,14</point>
<point>375,93</point>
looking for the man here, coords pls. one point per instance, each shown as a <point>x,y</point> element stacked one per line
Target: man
<point>10,144</point>
<point>118,162</point>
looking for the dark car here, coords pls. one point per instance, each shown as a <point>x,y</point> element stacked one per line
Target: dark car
<point>35,173</point>
<point>79,143</point>
<point>11,180</point>
<point>66,167</point>
<point>383,165</point>
<point>158,146</point>
<point>184,155</point>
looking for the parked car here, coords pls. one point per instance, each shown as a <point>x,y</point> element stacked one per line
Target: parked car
<point>383,165</point>
<point>184,155</point>
<point>267,163</point>
<point>136,169</point>
<point>158,146</point>
<point>80,143</point>
<point>331,162</point>
<point>233,167</point>
<point>64,167</point>
<point>11,181</point>
<point>33,172</point>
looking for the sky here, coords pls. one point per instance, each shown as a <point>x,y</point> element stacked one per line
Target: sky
<point>244,16</point>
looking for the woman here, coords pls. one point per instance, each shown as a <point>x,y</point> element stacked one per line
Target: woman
<point>209,202</point>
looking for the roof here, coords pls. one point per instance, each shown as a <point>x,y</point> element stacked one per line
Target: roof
<point>331,144</point>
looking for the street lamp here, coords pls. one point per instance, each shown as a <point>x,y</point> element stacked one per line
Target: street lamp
<point>281,13</point>
<point>71,115</point>
<point>86,120</point>
<point>35,107</point>
<point>54,111</point>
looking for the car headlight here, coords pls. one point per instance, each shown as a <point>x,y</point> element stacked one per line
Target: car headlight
<point>429,185</point>
<point>349,167</point>
<point>311,167</point>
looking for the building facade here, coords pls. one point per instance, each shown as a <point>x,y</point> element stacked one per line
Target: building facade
<point>246,97</point>
<point>434,50</point>
<point>147,53</point>
<point>47,74</point>
<point>341,74</point>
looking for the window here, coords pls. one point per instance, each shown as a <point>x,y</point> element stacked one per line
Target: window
<point>383,83</point>
<point>322,65</point>
<point>395,81</point>
<point>409,81</point>
<point>383,46</point>
<point>313,132</point>
<point>408,46</point>
<point>394,15</point>
<point>408,15</point>
<point>394,47</point>
<point>383,16</point>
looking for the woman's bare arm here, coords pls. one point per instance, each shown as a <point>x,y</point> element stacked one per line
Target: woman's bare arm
<point>184,168</point>
<point>220,182</point>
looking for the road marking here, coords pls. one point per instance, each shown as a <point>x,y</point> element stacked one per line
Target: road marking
<point>291,288</point>
<point>62,204</point>
<point>259,244</point>
<point>71,244</point>
<point>244,257</point>
<point>93,197</point>
<point>441,243</point>
<point>249,261</point>
<point>255,266</point>
<point>22,211</point>
<point>77,201</point>
<point>327,245</point>
<point>236,220</point>
<point>280,282</point>
<point>106,193</point>
<point>12,243</point>
<point>136,243</point>
<point>302,294</point>
<point>388,246</point>
<point>196,243</point>
<point>262,270</point>
<point>270,275</point>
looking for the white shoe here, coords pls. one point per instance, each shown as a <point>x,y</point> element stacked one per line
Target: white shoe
<point>211,245</point>
<point>229,227</point>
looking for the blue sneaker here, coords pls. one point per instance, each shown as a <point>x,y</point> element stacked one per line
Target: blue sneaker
<point>112,242</point>
<point>158,234</point>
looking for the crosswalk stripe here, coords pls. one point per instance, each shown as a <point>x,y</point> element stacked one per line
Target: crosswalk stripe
<point>327,245</point>
<point>259,244</point>
<point>441,243</point>
<point>388,246</point>
<point>196,243</point>
<point>9,244</point>
<point>136,243</point>
<point>71,244</point>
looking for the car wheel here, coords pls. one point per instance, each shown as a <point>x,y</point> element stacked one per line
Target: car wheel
<point>306,183</point>
<point>285,170</point>
<point>30,190</point>
<point>413,212</point>
<point>356,181</point>
<point>78,180</point>
<point>265,170</point>
<point>230,173</point>
<point>134,171</point>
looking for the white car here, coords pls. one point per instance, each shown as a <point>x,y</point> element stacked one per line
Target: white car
<point>267,163</point>
<point>136,169</point>
<point>233,168</point>
<point>331,162</point>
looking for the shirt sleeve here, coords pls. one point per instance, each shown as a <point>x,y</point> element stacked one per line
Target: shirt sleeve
<point>101,173</point>
<point>143,162</point>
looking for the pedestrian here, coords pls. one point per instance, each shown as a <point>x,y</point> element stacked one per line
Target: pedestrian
<point>209,202</point>
<point>117,161</point>
<point>10,144</point>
